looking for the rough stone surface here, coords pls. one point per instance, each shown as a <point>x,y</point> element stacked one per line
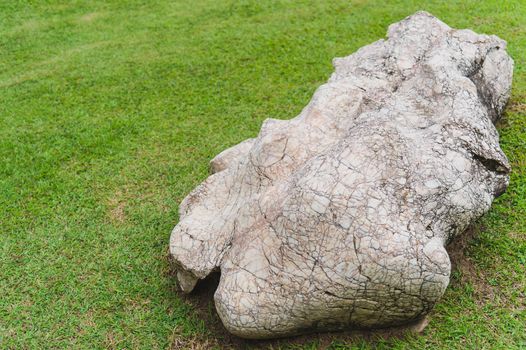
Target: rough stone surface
<point>338,218</point>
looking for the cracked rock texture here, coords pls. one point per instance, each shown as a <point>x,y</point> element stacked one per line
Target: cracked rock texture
<point>338,218</point>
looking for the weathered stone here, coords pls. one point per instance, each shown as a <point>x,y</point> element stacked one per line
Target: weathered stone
<point>338,218</point>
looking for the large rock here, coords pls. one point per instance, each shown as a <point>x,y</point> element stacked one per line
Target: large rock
<point>338,218</point>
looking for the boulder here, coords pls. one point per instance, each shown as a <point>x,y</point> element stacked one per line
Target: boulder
<point>338,218</point>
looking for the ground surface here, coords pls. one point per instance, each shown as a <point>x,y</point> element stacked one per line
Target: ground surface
<point>109,113</point>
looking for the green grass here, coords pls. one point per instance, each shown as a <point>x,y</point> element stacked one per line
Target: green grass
<point>109,113</point>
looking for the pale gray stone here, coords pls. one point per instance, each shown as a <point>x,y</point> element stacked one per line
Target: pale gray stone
<point>338,218</point>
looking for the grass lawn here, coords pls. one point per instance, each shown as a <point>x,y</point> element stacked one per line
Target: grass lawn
<point>109,114</point>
